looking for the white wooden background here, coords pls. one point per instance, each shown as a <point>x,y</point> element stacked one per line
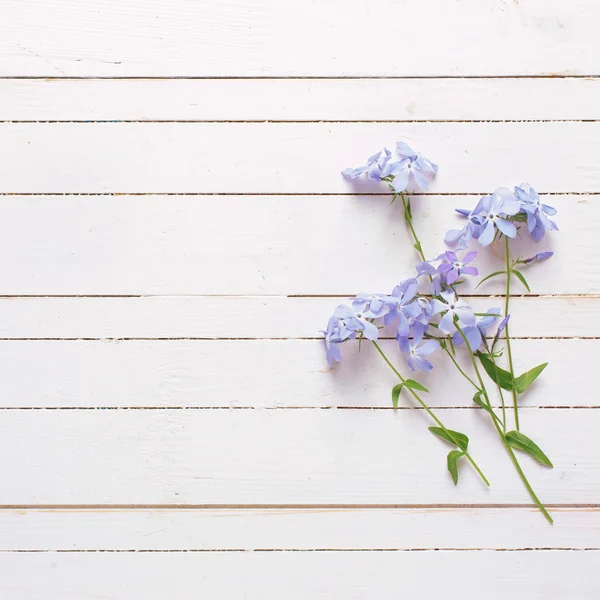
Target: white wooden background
<point>175,230</point>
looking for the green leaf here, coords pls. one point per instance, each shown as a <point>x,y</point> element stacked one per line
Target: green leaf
<point>457,439</point>
<point>503,378</point>
<point>477,398</point>
<point>417,247</point>
<point>415,385</point>
<point>490,276</point>
<point>518,441</point>
<point>396,394</point>
<point>522,279</point>
<point>453,457</point>
<point>522,382</point>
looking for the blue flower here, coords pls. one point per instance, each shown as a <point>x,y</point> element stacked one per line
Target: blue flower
<point>536,258</point>
<point>345,324</point>
<point>403,308</point>
<point>417,351</point>
<point>537,213</point>
<point>453,267</point>
<point>373,168</point>
<point>492,212</point>
<point>412,168</point>
<point>450,306</point>
<point>475,334</point>
<point>372,306</point>
<point>461,237</point>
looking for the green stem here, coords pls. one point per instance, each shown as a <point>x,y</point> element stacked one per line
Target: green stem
<point>408,220</point>
<point>430,412</point>
<point>460,370</point>
<point>513,458</point>
<point>508,349</point>
<point>500,392</point>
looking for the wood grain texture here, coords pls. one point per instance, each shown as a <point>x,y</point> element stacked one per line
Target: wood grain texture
<point>301,575</point>
<point>242,317</point>
<point>296,529</point>
<point>298,99</point>
<point>170,245</point>
<point>316,457</point>
<point>267,37</point>
<point>274,374</point>
<point>293,158</point>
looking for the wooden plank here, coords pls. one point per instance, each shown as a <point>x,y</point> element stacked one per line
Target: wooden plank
<point>298,99</point>
<point>209,39</point>
<point>298,457</point>
<point>289,157</point>
<point>263,374</point>
<point>193,245</point>
<point>461,528</point>
<point>301,575</point>
<point>241,317</point>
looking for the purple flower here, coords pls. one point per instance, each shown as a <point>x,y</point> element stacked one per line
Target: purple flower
<point>537,213</point>
<point>372,306</point>
<point>355,322</point>
<point>345,324</point>
<point>461,237</point>
<point>403,307</point>
<point>475,334</point>
<point>373,168</point>
<point>501,327</point>
<point>538,257</point>
<point>450,306</point>
<point>453,267</point>
<point>492,211</point>
<point>417,351</point>
<point>438,280</point>
<point>412,168</point>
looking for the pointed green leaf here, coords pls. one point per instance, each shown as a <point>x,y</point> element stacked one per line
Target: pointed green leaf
<point>503,378</point>
<point>522,279</point>
<point>453,457</point>
<point>415,385</point>
<point>522,382</point>
<point>477,398</point>
<point>454,437</point>
<point>518,441</point>
<point>396,394</point>
<point>490,276</point>
<point>417,247</point>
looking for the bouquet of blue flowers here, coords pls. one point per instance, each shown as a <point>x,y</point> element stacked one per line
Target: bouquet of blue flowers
<point>426,313</point>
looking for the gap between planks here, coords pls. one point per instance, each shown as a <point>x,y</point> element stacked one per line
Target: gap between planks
<point>283,550</point>
<point>291,194</point>
<point>284,77</point>
<point>292,506</point>
<point>288,121</point>
<point>364,408</point>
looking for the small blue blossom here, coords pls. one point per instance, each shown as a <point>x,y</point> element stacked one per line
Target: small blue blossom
<point>417,351</point>
<point>345,324</point>
<point>476,334</point>
<point>536,258</point>
<point>372,305</point>
<point>453,267</point>
<point>493,211</point>
<point>410,168</point>
<point>450,306</point>
<point>461,237</point>
<point>537,213</point>
<point>404,309</point>
<point>373,168</point>
<point>500,329</point>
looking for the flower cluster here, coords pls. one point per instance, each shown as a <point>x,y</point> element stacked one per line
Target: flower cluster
<point>425,313</point>
<point>409,313</point>
<point>497,213</point>
<point>408,169</point>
